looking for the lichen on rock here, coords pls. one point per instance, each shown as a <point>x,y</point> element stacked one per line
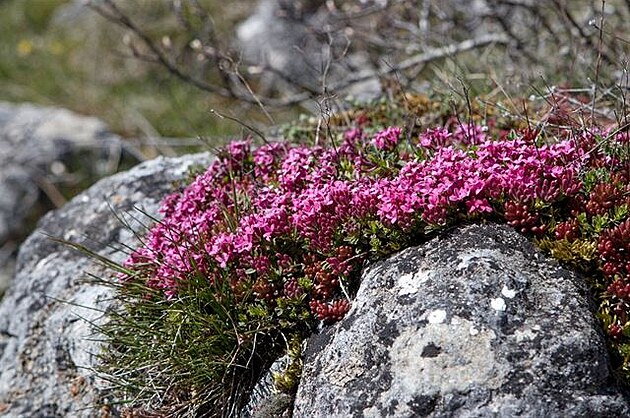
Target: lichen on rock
<point>443,349</point>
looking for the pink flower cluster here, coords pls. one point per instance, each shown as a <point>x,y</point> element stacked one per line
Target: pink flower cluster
<point>256,215</point>
<point>387,139</point>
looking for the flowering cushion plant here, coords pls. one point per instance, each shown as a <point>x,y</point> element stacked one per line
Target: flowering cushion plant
<point>235,221</point>
<point>269,241</point>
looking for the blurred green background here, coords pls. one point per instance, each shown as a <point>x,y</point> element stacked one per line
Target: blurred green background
<point>57,53</point>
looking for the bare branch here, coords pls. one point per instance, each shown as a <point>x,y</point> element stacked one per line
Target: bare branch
<point>109,10</point>
<point>587,39</point>
<point>427,56</point>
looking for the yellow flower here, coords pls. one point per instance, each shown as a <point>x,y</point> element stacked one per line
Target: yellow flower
<point>24,48</point>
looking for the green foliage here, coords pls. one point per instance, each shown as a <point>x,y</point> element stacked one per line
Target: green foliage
<point>203,329</point>
<point>82,65</point>
<point>595,176</point>
<point>580,253</point>
<point>381,240</point>
<point>288,380</point>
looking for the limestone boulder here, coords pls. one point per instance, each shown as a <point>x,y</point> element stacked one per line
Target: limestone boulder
<point>475,323</point>
<point>46,155</point>
<point>48,347</point>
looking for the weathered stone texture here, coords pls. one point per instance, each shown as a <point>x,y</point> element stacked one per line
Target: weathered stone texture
<point>475,323</point>
<point>46,152</point>
<point>47,346</point>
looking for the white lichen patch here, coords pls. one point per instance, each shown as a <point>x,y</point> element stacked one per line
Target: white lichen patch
<point>437,316</point>
<point>481,256</point>
<point>498,304</point>
<point>42,264</point>
<point>508,293</point>
<point>410,283</point>
<point>464,361</point>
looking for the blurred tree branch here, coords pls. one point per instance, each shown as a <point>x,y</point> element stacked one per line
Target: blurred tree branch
<point>399,37</point>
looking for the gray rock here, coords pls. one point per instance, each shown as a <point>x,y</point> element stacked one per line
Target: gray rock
<point>275,35</point>
<point>47,346</point>
<point>288,40</point>
<point>265,399</point>
<point>474,323</point>
<point>46,153</point>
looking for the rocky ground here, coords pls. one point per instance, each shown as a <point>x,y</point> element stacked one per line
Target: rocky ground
<point>46,156</point>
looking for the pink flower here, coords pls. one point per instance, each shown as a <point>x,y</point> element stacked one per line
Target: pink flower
<point>478,206</point>
<point>261,212</point>
<point>470,134</point>
<point>388,139</point>
<point>435,138</point>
